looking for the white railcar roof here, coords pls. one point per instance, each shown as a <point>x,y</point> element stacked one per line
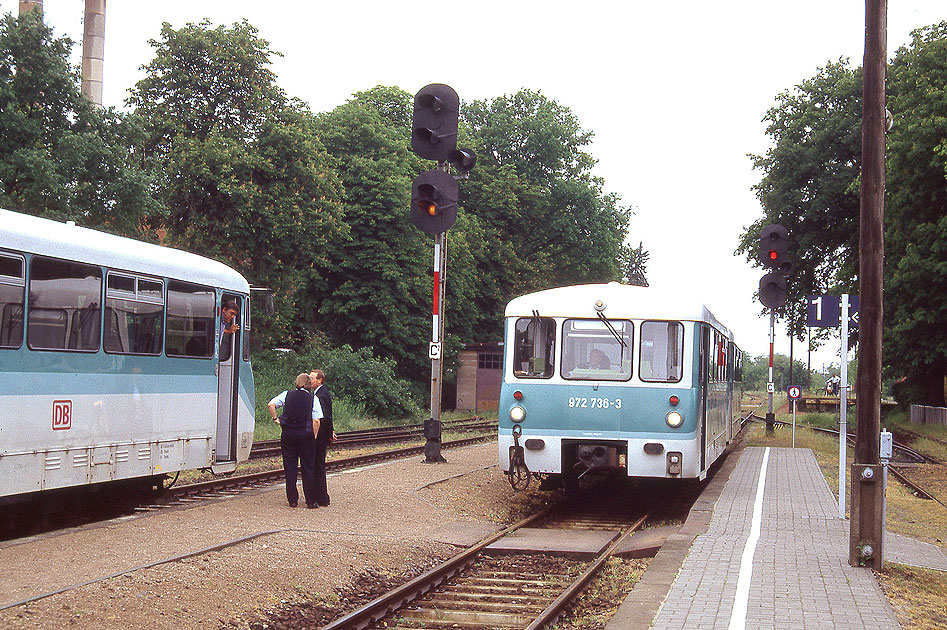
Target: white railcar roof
<point>621,301</point>
<point>35,235</point>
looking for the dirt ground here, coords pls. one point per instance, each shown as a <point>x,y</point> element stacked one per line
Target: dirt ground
<point>385,522</point>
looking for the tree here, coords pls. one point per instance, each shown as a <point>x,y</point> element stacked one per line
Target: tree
<point>378,285</point>
<point>60,156</point>
<point>915,339</point>
<point>810,185</point>
<point>545,219</point>
<point>246,181</point>
<point>634,263</point>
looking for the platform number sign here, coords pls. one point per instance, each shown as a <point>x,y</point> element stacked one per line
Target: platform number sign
<point>794,392</point>
<point>62,415</point>
<point>825,311</point>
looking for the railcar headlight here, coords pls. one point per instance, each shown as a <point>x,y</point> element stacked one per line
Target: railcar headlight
<point>674,419</point>
<point>517,414</point>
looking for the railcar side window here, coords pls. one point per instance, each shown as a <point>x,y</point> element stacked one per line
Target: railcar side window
<point>191,326</point>
<point>535,341</point>
<point>662,349</point>
<point>596,351</point>
<point>134,310</point>
<point>65,305</point>
<point>12,283</point>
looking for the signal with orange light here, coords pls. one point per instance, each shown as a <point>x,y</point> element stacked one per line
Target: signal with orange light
<point>434,201</point>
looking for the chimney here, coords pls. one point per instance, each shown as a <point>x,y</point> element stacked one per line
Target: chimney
<point>93,49</point>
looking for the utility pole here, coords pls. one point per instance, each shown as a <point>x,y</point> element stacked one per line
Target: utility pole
<point>868,491</point>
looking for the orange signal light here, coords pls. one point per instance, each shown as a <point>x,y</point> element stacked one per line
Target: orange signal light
<point>432,209</point>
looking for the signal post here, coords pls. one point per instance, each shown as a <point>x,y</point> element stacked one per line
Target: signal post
<point>434,197</point>
<point>774,255</point>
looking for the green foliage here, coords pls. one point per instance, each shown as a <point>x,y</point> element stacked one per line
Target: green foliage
<point>365,382</point>
<point>247,181</point>
<point>756,373</point>
<point>810,185</point>
<point>60,156</point>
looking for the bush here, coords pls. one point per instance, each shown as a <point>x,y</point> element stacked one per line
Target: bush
<point>362,382</point>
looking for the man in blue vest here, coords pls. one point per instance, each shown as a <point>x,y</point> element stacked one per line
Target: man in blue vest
<point>299,421</point>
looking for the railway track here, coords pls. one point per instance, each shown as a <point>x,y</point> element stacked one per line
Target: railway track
<point>480,590</point>
<point>383,435</point>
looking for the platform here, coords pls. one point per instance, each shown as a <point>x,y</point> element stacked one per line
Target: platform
<point>791,571</point>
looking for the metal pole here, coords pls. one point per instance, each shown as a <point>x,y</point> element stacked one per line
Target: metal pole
<point>770,416</point>
<point>868,491</point>
<point>794,424</point>
<point>432,427</point>
<point>843,410</point>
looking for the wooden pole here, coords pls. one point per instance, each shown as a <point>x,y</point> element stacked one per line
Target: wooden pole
<point>867,533</point>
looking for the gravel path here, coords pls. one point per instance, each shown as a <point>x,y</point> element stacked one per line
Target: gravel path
<point>383,519</point>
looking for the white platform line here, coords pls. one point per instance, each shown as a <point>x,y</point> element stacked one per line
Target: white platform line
<point>741,601</point>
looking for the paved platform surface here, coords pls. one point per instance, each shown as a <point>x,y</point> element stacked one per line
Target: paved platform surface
<point>796,575</point>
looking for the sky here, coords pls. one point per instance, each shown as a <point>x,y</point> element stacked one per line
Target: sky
<point>674,92</point>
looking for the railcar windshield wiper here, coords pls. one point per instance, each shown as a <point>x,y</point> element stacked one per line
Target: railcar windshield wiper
<point>611,329</point>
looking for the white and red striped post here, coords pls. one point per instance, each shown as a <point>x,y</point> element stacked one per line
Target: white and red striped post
<point>770,387</point>
<point>432,428</point>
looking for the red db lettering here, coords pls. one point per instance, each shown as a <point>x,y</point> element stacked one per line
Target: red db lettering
<point>62,415</point>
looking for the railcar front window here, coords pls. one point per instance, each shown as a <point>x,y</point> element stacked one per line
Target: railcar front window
<point>190,328</point>
<point>662,347</point>
<point>593,351</point>
<point>535,341</point>
<point>134,310</point>
<point>12,283</point>
<point>65,306</point>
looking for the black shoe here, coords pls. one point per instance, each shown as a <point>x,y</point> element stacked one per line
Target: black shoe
<point>324,504</point>
<point>292,504</point>
<point>312,506</point>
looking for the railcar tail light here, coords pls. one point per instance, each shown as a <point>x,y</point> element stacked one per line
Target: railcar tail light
<point>518,395</point>
<point>674,400</point>
<point>517,414</point>
<point>674,419</point>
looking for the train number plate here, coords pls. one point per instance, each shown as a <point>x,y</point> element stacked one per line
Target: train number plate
<point>581,402</point>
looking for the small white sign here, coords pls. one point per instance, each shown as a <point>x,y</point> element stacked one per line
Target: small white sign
<point>434,352</point>
<point>771,388</point>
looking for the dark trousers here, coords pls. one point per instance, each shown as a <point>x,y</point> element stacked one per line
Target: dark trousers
<point>322,491</point>
<point>299,450</point>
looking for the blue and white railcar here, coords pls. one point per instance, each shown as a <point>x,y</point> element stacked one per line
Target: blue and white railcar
<point>113,363</point>
<point>612,377</point>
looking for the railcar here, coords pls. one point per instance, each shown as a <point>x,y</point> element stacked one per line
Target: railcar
<point>615,378</point>
<point>113,362</point>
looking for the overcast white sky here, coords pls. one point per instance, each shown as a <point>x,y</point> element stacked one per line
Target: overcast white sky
<point>674,92</point>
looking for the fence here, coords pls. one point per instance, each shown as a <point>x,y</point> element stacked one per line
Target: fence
<point>929,415</point>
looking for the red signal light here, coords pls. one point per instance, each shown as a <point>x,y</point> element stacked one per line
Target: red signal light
<point>773,254</point>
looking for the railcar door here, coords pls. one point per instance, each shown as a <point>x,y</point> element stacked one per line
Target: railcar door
<point>704,358</point>
<point>229,332</point>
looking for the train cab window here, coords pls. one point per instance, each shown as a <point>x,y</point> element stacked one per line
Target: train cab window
<point>594,350</point>
<point>535,341</point>
<point>65,305</point>
<point>12,285</point>
<point>662,349</point>
<point>190,328</point>
<point>134,313</point>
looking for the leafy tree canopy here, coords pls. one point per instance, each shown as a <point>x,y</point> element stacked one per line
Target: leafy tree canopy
<point>60,156</point>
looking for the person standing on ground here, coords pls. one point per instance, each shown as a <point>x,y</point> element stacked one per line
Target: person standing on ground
<point>300,425</point>
<point>325,435</point>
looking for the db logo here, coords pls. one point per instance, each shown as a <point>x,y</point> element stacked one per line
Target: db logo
<point>62,414</point>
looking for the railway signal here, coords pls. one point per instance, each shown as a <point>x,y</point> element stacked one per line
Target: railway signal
<point>773,290</point>
<point>774,249</point>
<point>434,129</point>
<point>434,201</point>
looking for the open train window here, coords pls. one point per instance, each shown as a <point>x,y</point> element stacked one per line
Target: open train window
<point>533,347</point>
<point>191,325</point>
<point>65,305</point>
<point>597,350</point>
<point>662,349</point>
<point>134,314</point>
<point>12,285</point>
